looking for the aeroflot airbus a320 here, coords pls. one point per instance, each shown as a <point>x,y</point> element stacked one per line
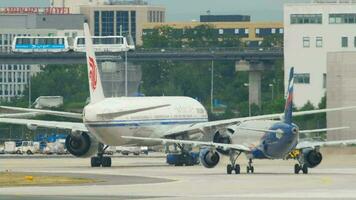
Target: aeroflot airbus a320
<point>150,121</point>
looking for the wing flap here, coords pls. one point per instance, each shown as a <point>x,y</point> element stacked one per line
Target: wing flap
<point>48,124</point>
<point>47,112</point>
<point>237,147</point>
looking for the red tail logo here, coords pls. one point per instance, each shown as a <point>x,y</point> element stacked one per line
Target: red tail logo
<point>93,76</point>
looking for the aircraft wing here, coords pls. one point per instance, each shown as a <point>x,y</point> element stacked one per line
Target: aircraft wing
<point>237,147</point>
<point>73,126</point>
<point>47,112</point>
<point>202,127</point>
<point>19,115</point>
<point>311,144</point>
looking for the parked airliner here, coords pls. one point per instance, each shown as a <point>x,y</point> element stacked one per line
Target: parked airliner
<point>153,120</point>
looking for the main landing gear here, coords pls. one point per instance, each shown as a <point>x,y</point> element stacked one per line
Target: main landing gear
<point>236,167</point>
<point>250,169</point>
<point>100,159</point>
<point>300,167</point>
<point>233,166</point>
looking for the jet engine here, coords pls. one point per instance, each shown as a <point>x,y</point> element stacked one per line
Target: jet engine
<point>81,145</point>
<point>312,158</point>
<point>209,158</point>
<point>223,136</point>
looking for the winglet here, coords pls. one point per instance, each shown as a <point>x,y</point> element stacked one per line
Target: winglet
<point>95,85</point>
<point>288,109</point>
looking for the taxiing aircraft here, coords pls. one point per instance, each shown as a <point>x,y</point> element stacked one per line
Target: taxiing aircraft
<point>261,139</point>
<point>153,120</point>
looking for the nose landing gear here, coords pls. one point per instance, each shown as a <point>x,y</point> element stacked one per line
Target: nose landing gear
<point>250,169</point>
<point>233,166</point>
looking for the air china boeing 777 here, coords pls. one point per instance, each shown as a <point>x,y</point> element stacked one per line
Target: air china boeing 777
<point>150,121</point>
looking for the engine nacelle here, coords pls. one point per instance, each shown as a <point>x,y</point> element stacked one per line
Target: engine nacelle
<point>312,158</point>
<point>81,145</point>
<point>209,158</point>
<point>223,136</point>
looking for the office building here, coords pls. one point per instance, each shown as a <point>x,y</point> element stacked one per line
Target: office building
<point>311,30</point>
<point>251,33</point>
<point>225,18</point>
<point>122,17</point>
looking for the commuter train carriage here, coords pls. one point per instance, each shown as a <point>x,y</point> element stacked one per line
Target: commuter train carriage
<point>30,44</point>
<point>104,44</point>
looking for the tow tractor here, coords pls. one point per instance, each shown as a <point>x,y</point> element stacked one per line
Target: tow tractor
<point>184,157</point>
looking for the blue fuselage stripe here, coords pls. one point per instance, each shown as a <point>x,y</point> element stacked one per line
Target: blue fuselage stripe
<point>121,123</point>
<point>39,46</point>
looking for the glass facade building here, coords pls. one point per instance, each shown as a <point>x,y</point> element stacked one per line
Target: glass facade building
<point>128,20</point>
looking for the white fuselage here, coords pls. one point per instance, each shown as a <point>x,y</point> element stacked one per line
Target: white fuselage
<point>250,138</point>
<point>170,113</point>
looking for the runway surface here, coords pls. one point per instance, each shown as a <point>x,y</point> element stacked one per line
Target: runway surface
<point>150,178</point>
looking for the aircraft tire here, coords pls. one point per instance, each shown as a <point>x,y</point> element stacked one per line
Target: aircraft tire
<point>237,169</point>
<point>106,162</point>
<point>297,168</point>
<point>95,162</point>
<point>305,169</point>
<point>228,169</point>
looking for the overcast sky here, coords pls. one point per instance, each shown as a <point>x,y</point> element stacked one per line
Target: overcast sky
<point>187,10</point>
<point>24,3</point>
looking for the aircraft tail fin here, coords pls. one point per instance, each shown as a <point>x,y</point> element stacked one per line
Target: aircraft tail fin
<point>95,85</point>
<point>288,109</point>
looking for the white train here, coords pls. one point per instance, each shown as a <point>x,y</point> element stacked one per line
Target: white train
<point>30,44</point>
<point>55,44</point>
<point>104,44</point>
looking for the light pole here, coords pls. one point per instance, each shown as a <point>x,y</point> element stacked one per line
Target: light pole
<point>212,87</point>
<point>272,87</point>
<point>249,104</point>
<point>126,92</point>
<point>29,87</point>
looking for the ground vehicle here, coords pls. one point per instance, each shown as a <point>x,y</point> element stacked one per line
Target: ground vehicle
<point>179,159</point>
<point>29,44</point>
<point>27,147</point>
<point>2,150</point>
<point>128,150</point>
<point>10,147</point>
<point>103,44</point>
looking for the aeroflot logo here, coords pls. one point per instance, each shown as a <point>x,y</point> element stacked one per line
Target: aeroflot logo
<point>93,73</point>
<point>290,93</point>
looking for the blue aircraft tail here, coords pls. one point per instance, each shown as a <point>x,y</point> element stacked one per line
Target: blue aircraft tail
<point>288,109</point>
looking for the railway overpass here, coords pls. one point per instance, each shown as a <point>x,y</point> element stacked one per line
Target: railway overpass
<point>253,60</point>
<point>224,54</point>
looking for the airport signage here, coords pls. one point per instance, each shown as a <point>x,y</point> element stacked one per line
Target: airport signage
<point>36,10</point>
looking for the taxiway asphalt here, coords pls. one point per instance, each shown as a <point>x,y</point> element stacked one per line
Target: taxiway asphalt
<point>150,178</point>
